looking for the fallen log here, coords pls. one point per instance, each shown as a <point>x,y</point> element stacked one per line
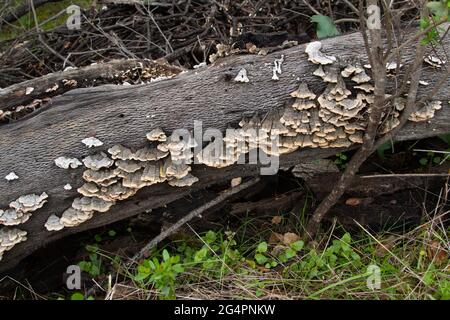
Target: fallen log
<point>124,114</point>
<point>53,84</point>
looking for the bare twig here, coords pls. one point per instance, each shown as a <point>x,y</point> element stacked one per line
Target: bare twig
<point>406,175</point>
<point>173,228</point>
<point>376,56</point>
<point>193,214</point>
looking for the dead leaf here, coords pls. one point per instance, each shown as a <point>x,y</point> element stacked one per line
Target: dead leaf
<point>277,219</point>
<point>358,201</point>
<point>290,237</point>
<point>353,201</point>
<point>436,252</point>
<point>275,238</point>
<point>262,269</point>
<point>383,248</point>
<point>277,250</point>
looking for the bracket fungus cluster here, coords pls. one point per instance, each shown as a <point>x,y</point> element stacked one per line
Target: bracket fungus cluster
<point>9,238</point>
<point>120,172</point>
<point>336,117</point>
<point>19,211</point>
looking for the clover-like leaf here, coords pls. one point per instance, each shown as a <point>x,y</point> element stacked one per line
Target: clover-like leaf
<point>325,26</point>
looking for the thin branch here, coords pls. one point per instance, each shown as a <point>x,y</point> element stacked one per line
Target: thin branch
<point>193,214</point>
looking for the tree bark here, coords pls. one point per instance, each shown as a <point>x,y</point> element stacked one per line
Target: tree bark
<point>123,114</point>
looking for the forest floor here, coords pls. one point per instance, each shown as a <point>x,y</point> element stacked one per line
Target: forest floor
<point>390,245</point>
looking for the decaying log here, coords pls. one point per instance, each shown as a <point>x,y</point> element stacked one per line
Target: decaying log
<point>123,114</point>
<point>57,83</point>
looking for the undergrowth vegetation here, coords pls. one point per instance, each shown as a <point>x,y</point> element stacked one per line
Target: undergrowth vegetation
<point>241,264</point>
<point>48,16</point>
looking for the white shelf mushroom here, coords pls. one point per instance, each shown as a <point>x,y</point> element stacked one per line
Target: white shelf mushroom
<point>9,237</point>
<point>316,56</point>
<point>66,163</point>
<point>91,142</point>
<point>53,223</point>
<point>11,176</point>
<point>242,76</point>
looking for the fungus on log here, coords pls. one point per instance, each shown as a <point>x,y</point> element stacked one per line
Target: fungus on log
<point>121,117</point>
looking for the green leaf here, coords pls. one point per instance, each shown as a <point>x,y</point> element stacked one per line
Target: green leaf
<point>325,26</point>
<point>262,247</point>
<point>251,263</point>
<point>92,248</point>
<point>178,268</point>
<point>445,138</point>
<point>438,8</point>
<point>95,271</point>
<point>98,238</point>
<point>141,276</point>
<point>200,254</point>
<point>210,237</point>
<point>260,258</point>
<point>283,257</point>
<point>259,293</point>
<point>382,150</point>
<point>297,245</point>
<point>77,296</point>
<point>112,233</point>
<point>166,255</point>
<point>423,161</point>
<point>84,266</point>
<point>290,253</point>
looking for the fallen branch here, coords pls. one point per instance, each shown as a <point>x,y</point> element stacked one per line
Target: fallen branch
<point>124,114</point>
<point>193,214</point>
<point>115,71</point>
<point>197,213</point>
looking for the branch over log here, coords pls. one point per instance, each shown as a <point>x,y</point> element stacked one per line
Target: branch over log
<point>123,115</point>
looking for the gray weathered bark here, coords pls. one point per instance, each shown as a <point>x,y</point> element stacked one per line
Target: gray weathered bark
<point>123,114</point>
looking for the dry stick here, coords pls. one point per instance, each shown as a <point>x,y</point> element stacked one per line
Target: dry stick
<point>194,213</point>
<point>41,39</point>
<point>375,53</point>
<point>406,175</point>
<point>369,145</point>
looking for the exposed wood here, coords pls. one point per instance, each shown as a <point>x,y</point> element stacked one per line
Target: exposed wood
<point>123,114</point>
